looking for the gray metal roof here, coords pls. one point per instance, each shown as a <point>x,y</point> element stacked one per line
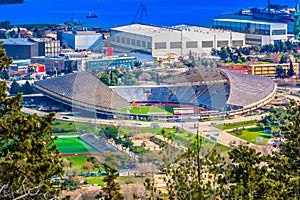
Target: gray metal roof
<point>17,41</point>
<point>247,21</point>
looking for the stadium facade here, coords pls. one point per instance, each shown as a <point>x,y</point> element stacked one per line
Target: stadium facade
<point>219,91</point>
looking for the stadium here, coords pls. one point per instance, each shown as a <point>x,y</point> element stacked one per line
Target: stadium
<point>198,92</point>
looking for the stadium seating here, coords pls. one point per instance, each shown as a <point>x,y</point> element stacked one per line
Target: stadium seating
<point>83,87</point>
<point>131,93</point>
<point>97,142</point>
<point>159,94</point>
<point>202,75</point>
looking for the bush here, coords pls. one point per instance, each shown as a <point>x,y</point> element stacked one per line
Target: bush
<point>237,131</point>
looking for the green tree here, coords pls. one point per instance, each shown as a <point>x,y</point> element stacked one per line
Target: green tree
<point>28,156</point>
<point>284,59</point>
<point>291,71</point>
<point>224,54</point>
<point>4,60</point>
<point>286,162</point>
<point>248,176</point>
<point>137,73</point>
<point>129,79</point>
<point>115,159</point>
<point>69,184</point>
<point>127,143</point>
<point>95,161</point>
<point>27,88</point>
<point>104,77</point>
<point>277,118</point>
<point>214,52</point>
<point>4,75</point>
<point>152,192</point>
<point>289,45</point>
<point>111,190</point>
<point>268,48</point>
<point>88,166</point>
<point>137,64</point>
<point>5,24</point>
<point>193,178</point>
<point>280,72</point>
<point>110,77</point>
<point>15,88</point>
<point>68,66</point>
<point>110,132</point>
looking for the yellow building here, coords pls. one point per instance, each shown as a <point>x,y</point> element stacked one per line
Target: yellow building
<point>270,69</point>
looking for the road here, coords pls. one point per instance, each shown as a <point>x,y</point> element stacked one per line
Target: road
<point>222,137</point>
<point>296,98</point>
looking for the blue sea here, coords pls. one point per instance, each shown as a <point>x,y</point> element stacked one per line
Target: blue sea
<point>119,12</point>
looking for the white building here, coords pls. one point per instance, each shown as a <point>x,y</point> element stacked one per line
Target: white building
<point>79,40</point>
<point>257,32</point>
<point>179,40</point>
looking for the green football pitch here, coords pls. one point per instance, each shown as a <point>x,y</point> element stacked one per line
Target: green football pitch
<point>147,110</point>
<point>73,145</point>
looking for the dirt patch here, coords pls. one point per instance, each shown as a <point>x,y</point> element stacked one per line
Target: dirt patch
<point>144,140</point>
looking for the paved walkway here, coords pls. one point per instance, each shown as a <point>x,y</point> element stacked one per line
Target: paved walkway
<point>222,137</point>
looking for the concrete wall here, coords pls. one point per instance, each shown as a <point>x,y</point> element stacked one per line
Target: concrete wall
<point>90,42</point>
<point>129,41</point>
<point>180,42</point>
<point>83,41</point>
<point>275,27</point>
<point>21,51</point>
<point>68,39</point>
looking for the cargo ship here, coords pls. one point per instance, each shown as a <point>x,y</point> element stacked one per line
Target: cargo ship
<point>92,15</point>
<point>274,13</point>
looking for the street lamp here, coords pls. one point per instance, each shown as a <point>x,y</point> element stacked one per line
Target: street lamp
<point>55,72</point>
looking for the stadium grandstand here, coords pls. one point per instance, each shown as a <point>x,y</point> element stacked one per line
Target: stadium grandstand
<point>199,76</point>
<point>249,91</point>
<point>204,90</point>
<point>81,90</point>
<point>97,142</point>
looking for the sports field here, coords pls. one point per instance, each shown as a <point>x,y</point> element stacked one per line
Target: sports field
<point>61,127</point>
<point>251,134</point>
<point>73,145</point>
<point>147,110</point>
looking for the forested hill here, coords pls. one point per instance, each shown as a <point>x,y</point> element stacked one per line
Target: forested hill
<point>11,1</point>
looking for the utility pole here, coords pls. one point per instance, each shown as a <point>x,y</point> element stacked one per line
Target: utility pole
<point>199,143</point>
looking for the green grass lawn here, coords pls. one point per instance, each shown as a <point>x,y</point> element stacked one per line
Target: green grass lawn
<point>236,125</point>
<point>77,161</point>
<point>252,133</point>
<point>73,145</point>
<point>61,127</point>
<point>185,138</point>
<point>95,180</point>
<point>146,110</point>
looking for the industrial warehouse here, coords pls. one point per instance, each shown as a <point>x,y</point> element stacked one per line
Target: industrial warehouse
<point>178,40</point>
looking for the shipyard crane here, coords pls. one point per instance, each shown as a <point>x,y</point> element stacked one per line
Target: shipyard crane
<point>142,11</point>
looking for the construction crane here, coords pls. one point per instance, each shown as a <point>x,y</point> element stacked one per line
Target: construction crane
<point>142,11</point>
